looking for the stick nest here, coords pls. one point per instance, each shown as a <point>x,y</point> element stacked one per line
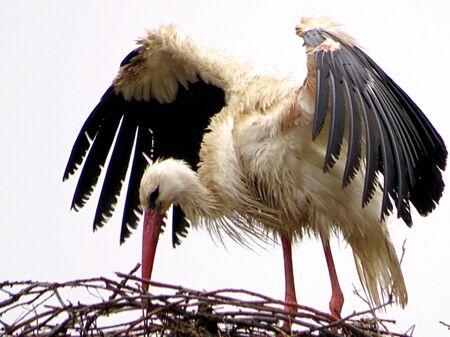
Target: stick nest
<point>119,307</point>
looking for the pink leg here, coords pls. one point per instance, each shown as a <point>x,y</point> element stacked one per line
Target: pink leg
<point>288,274</point>
<point>337,298</point>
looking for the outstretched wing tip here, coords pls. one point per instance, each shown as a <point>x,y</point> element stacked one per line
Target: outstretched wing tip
<point>67,174</point>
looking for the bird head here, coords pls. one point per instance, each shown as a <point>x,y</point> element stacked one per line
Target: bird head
<point>164,183</point>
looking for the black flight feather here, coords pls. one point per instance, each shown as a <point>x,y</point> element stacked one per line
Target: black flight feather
<point>132,208</point>
<point>179,225</point>
<point>354,137</point>
<point>372,148</point>
<point>322,89</point>
<point>387,165</point>
<point>337,121</point>
<point>355,121</point>
<point>117,169</point>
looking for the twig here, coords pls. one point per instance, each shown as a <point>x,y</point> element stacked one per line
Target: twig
<point>445,324</point>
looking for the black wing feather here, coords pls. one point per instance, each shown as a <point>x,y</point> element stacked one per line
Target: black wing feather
<point>387,164</point>
<point>355,121</point>
<point>337,121</point>
<point>132,210</point>
<point>97,155</point>
<point>322,75</point>
<point>372,148</point>
<point>117,169</point>
<point>354,144</point>
<point>179,225</point>
<point>401,143</point>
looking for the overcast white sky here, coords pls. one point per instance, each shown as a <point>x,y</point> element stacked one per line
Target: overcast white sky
<point>58,57</point>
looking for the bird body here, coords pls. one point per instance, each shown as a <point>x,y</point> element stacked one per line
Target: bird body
<point>259,171</point>
<point>281,176</point>
<point>252,154</point>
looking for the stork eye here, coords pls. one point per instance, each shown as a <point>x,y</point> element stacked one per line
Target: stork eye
<point>153,196</point>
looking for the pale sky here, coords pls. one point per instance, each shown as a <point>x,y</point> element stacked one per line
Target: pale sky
<point>58,57</point>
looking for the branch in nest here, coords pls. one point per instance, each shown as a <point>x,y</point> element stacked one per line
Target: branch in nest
<point>119,307</point>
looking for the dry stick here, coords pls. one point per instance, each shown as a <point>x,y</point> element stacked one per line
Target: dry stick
<point>58,296</point>
<point>445,324</point>
<point>14,297</point>
<point>124,280</point>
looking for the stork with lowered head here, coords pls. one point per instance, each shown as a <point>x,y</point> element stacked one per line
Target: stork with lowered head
<point>254,155</point>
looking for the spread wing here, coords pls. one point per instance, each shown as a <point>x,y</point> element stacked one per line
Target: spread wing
<point>385,128</point>
<point>158,106</point>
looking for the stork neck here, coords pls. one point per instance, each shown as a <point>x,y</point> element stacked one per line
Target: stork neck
<point>198,201</point>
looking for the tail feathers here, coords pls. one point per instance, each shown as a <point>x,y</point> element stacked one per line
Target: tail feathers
<point>379,270</point>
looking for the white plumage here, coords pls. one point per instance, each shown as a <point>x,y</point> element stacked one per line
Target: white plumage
<point>257,169</point>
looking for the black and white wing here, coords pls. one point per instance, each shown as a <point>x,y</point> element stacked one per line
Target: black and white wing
<point>386,129</point>
<point>158,106</point>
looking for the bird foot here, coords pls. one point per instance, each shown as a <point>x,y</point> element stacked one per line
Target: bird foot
<point>291,307</point>
<point>336,304</point>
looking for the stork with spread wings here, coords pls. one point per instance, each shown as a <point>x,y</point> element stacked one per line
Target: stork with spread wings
<point>252,154</point>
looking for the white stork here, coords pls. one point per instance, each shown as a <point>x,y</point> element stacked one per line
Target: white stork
<point>245,153</point>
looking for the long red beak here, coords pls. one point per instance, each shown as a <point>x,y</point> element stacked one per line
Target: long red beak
<point>153,221</point>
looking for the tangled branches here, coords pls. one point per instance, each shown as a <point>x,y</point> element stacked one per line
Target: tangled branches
<point>107,307</point>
